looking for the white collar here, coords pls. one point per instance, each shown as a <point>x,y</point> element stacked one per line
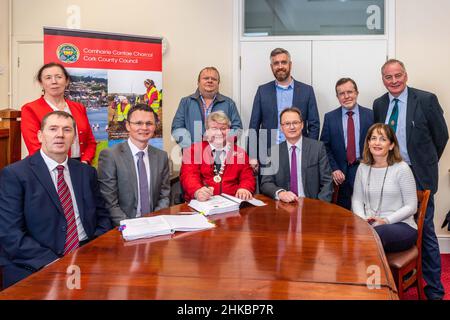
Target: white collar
<point>403,97</point>
<point>226,148</point>
<point>298,144</point>
<point>52,164</point>
<point>135,149</point>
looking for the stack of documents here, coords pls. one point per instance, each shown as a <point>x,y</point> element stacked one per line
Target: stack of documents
<point>147,227</point>
<point>222,203</point>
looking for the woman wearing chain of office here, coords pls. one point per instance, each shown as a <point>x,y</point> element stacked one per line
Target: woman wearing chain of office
<point>385,190</point>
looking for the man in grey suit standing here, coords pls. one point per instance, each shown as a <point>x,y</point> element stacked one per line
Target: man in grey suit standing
<point>134,176</point>
<point>303,169</point>
<point>418,121</point>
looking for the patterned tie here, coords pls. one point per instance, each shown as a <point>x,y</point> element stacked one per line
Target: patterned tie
<point>144,192</point>
<point>394,116</point>
<point>72,241</point>
<point>351,147</point>
<point>294,182</point>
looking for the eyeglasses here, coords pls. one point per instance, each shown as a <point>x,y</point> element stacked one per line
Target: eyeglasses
<point>140,124</point>
<point>293,123</point>
<point>344,93</point>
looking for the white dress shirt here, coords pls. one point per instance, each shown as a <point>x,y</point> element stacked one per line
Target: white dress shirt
<point>51,165</point>
<point>401,122</point>
<point>298,151</point>
<point>134,152</point>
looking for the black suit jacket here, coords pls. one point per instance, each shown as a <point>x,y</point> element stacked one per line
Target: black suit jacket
<point>426,133</point>
<point>316,171</point>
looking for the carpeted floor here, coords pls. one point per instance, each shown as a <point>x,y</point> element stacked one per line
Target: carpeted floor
<point>411,294</point>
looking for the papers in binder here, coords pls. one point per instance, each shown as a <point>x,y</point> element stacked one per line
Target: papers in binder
<point>222,203</point>
<point>147,227</point>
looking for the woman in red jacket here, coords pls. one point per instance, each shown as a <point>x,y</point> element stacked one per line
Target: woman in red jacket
<point>54,79</point>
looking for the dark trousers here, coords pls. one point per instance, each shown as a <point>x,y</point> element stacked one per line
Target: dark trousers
<point>397,236</point>
<point>346,189</point>
<point>431,255</point>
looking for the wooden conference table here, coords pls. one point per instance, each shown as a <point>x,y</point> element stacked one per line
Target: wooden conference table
<point>310,250</point>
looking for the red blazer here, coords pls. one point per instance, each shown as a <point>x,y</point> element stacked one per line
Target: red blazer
<point>32,114</point>
<point>197,170</point>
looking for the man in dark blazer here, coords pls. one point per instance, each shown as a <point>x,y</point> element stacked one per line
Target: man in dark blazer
<point>270,100</point>
<point>36,227</point>
<point>118,170</point>
<point>417,118</point>
<point>302,168</point>
<point>343,133</point>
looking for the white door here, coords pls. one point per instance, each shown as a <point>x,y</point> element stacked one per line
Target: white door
<point>360,60</point>
<point>29,58</point>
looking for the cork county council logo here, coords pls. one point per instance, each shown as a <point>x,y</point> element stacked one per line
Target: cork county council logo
<point>67,53</point>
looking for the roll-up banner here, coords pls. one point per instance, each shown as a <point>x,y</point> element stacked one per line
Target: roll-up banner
<point>109,74</point>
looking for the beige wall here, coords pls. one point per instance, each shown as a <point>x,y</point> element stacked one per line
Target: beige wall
<point>4,54</point>
<point>199,33</point>
<point>423,30</point>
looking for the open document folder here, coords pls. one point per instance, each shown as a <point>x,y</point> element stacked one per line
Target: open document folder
<point>147,227</point>
<point>223,203</point>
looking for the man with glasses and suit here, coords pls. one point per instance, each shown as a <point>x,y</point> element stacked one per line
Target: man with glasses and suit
<point>302,168</point>
<point>134,176</point>
<point>344,132</point>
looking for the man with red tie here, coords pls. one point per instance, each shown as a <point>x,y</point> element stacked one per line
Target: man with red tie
<point>50,205</point>
<point>300,167</point>
<point>343,133</point>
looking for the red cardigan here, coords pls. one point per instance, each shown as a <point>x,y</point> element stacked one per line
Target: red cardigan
<point>197,170</point>
<point>32,114</point>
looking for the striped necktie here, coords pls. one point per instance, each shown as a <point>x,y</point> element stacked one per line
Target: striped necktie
<point>72,241</point>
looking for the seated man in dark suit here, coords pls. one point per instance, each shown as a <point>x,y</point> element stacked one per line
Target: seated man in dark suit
<point>49,204</point>
<point>302,168</point>
<point>344,132</point>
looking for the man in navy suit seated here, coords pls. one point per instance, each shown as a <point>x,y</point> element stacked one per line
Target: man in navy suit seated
<point>343,133</point>
<point>50,204</point>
